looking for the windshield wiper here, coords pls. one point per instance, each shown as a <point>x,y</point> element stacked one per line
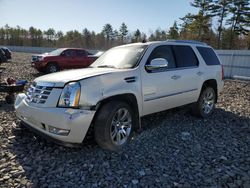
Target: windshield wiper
<point>106,66</point>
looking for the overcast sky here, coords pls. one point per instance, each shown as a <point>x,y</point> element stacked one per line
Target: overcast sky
<point>65,15</point>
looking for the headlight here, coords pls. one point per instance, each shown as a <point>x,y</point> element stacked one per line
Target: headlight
<point>70,95</point>
<point>40,58</point>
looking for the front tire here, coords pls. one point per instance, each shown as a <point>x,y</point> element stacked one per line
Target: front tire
<point>206,103</point>
<point>52,67</point>
<point>114,125</point>
<point>10,99</point>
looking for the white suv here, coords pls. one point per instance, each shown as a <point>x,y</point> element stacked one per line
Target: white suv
<point>124,84</point>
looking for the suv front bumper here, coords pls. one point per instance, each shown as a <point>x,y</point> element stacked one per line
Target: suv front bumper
<point>74,121</point>
<point>40,66</point>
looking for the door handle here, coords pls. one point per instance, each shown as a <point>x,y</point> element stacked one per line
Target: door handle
<point>199,73</point>
<point>175,77</point>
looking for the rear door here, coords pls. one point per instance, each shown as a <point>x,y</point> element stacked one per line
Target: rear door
<point>190,75</point>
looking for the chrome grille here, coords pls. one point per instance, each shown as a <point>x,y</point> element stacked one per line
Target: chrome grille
<point>39,92</point>
<point>34,58</point>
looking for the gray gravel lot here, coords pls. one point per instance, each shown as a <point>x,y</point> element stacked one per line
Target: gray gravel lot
<point>174,149</point>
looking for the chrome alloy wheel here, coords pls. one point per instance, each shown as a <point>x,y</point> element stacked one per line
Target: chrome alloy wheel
<point>52,69</point>
<point>208,102</point>
<point>121,125</point>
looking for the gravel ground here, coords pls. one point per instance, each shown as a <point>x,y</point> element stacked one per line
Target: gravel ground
<point>174,149</point>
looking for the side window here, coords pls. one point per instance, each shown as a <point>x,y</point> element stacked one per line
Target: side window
<point>208,55</point>
<point>164,52</point>
<point>185,56</point>
<point>80,53</point>
<point>68,53</point>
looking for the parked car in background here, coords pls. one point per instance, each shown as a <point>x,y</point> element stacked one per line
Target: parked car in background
<point>7,52</point>
<point>124,84</point>
<point>3,57</point>
<point>62,58</point>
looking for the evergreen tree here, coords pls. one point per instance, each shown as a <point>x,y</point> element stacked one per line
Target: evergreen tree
<point>137,36</point>
<point>202,19</point>
<point>173,31</point>
<point>108,33</point>
<point>185,26</point>
<point>220,9</point>
<point>50,35</point>
<point>239,20</point>
<point>124,31</point>
<point>87,38</point>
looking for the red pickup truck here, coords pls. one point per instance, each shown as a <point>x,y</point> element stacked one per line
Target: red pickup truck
<point>62,58</point>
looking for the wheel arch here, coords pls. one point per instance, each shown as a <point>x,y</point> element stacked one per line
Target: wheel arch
<point>211,83</point>
<point>53,62</point>
<point>128,98</point>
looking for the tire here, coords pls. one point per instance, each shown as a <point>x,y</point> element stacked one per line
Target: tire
<point>10,99</point>
<point>205,105</point>
<point>109,129</point>
<point>52,67</point>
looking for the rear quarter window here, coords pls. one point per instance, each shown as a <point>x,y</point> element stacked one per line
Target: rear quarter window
<point>209,56</point>
<point>185,56</point>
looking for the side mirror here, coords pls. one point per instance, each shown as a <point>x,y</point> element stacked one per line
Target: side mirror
<point>156,64</point>
<point>62,54</point>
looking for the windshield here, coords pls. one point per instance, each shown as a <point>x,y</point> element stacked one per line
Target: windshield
<point>56,52</point>
<point>121,57</point>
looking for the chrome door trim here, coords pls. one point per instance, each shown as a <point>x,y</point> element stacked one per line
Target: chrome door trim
<point>169,95</point>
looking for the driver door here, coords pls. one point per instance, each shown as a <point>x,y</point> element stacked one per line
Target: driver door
<point>160,86</point>
<point>68,59</point>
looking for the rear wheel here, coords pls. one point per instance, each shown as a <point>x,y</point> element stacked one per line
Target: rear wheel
<point>206,103</point>
<point>114,125</point>
<point>52,67</point>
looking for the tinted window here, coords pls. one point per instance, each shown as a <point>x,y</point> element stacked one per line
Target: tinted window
<point>69,53</point>
<point>2,52</point>
<point>185,56</point>
<point>209,56</point>
<point>80,53</point>
<point>164,52</point>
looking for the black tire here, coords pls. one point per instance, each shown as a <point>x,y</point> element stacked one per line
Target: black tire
<point>199,108</point>
<point>52,67</point>
<point>103,125</point>
<point>10,99</point>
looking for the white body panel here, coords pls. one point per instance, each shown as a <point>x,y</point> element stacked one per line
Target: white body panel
<point>167,89</point>
<point>76,121</point>
<point>154,92</point>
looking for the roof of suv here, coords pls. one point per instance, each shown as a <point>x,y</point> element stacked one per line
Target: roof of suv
<point>189,42</point>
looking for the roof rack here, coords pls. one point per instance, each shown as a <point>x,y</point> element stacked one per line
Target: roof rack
<point>188,41</point>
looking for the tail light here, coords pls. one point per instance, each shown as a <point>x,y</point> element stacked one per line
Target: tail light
<point>222,72</point>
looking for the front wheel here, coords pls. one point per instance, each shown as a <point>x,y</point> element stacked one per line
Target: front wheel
<point>206,103</point>
<point>52,67</point>
<point>10,98</point>
<point>114,125</point>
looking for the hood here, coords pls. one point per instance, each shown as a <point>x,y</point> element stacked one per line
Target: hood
<point>42,55</point>
<point>60,78</point>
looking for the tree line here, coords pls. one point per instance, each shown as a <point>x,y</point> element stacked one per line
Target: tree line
<point>223,24</point>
